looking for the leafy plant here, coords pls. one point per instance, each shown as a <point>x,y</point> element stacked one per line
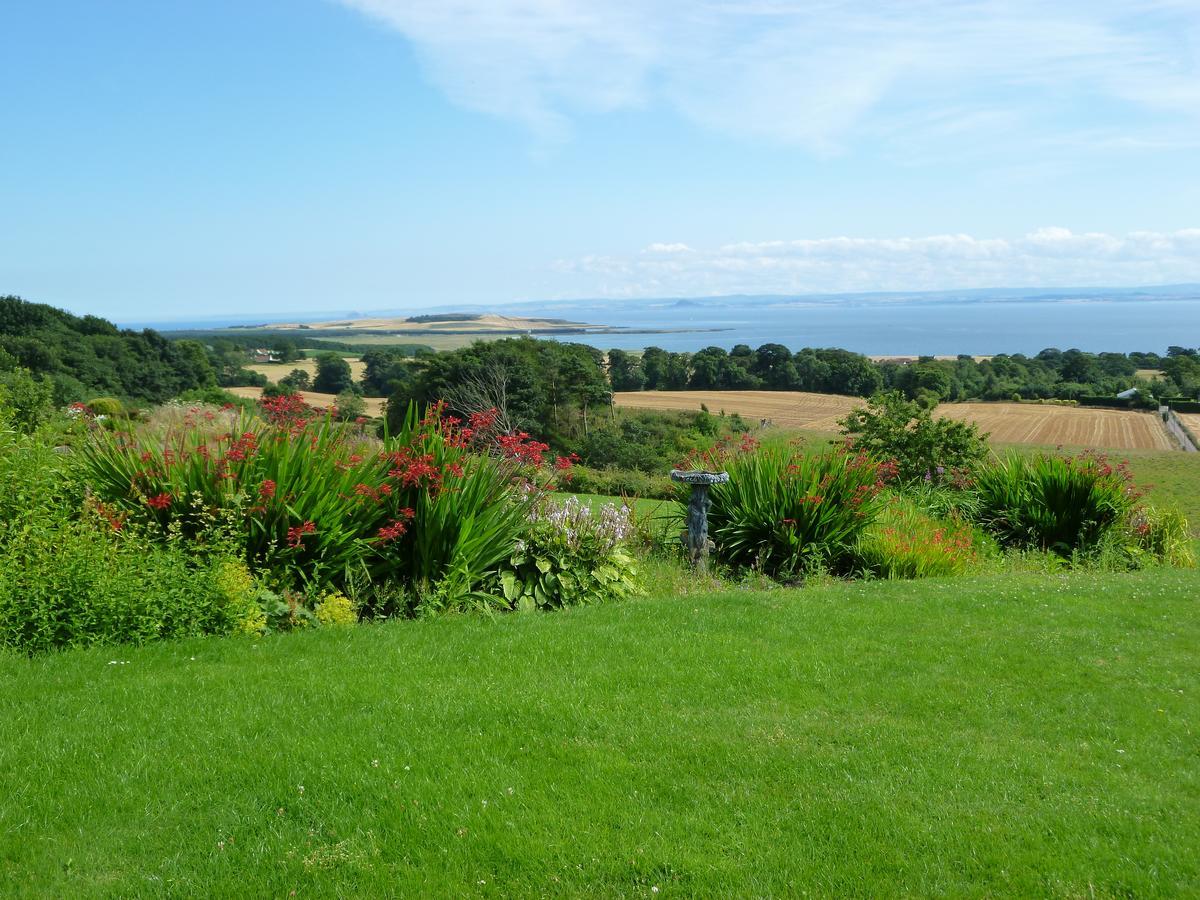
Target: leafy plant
<point>1161,535</point>
<point>906,542</point>
<point>923,447</point>
<point>1059,503</point>
<point>310,500</point>
<point>787,514</point>
<point>571,556</point>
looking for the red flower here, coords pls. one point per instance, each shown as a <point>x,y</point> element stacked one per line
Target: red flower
<point>295,535</point>
<point>266,490</point>
<point>159,501</point>
<point>396,528</point>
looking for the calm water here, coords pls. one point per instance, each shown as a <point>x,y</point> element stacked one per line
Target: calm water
<point>909,328</point>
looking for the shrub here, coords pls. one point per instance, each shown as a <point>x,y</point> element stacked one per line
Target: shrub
<point>26,402</point>
<point>616,483</point>
<point>905,542</point>
<point>569,556</point>
<point>110,407</point>
<point>241,594</point>
<point>76,584</point>
<point>923,447</point>
<point>336,610</point>
<point>1059,503</point>
<point>789,514</point>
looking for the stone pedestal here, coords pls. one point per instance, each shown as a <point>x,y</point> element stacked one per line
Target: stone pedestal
<point>696,537</point>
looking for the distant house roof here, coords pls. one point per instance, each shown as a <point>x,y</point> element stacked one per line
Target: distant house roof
<point>1125,395</point>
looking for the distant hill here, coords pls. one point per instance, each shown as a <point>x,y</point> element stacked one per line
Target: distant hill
<point>87,356</point>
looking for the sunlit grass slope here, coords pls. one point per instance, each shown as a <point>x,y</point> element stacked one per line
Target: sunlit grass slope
<point>1016,735</point>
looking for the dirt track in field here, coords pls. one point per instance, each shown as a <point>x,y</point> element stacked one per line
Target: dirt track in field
<point>1008,423</point>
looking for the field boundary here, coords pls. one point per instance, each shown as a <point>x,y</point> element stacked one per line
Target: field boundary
<point>1178,430</point>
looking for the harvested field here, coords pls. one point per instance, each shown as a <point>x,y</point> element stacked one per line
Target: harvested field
<point>374,405</point>
<point>1191,421</point>
<point>275,371</point>
<point>789,409</point>
<point>1071,426</point>
<point>1008,423</point>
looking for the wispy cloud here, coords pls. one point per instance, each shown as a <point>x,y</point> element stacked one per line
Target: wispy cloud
<point>819,73</point>
<point>1046,257</point>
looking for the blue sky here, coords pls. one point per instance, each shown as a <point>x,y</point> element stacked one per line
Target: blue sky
<point>205,157</point>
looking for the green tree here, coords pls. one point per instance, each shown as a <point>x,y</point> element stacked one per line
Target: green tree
<point>625,371</point>
<point>923,447</point>
<point>296,380</point>
<point>350,406</point>
<point>333,374</point>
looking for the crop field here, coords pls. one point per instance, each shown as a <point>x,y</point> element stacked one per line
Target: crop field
<point>1008,423</point>
<point>1071,426</point>
<point>275,371</point>
<point>374,405</point>
<point>1192,421</point>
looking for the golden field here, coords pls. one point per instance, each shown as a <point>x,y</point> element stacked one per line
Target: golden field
<point>275,371</point>
<point>374,405</point>
<point>1007,423</point>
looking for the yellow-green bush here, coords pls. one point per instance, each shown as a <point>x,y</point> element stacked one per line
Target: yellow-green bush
<point>106,406</point>
<point>336,609</point>
<point>236,586</point>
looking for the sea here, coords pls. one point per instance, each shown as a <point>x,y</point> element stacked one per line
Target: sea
<point>975,323</point>
<point>904,328</point>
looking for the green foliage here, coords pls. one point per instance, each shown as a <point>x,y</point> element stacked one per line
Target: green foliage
<point>541,387</point>
<point>1159,535</point>
<point>571,555</point>
<point>333,374</point>
<point>350,406</point>
<point>26,401</point>
<point>310,501</point>
<point>89,356</point>
<point>788,514</point>
<point>110,407</point>
<point>1058,503</point>
<point>36,483</point>
<point>616,483</point>
<point>296,380</point>
<point>652,442</point>
<point>906,542</point>
<point>460,535</point>
<point>922,446</point>
<point>74,584</point>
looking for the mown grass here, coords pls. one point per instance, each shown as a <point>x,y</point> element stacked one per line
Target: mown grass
<point>1015,735</point>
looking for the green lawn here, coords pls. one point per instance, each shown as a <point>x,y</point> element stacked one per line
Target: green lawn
<point>1015,735</point>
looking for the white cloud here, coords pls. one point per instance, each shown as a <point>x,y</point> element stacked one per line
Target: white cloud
<point>1045,257</point>
<point>820,73</point>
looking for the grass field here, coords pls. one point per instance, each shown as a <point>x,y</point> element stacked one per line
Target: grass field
<point>374,405</point>
<point>1009,736</point>
<point>1008,423</point>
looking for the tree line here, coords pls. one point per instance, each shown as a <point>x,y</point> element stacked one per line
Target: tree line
<point>1050,374</point>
